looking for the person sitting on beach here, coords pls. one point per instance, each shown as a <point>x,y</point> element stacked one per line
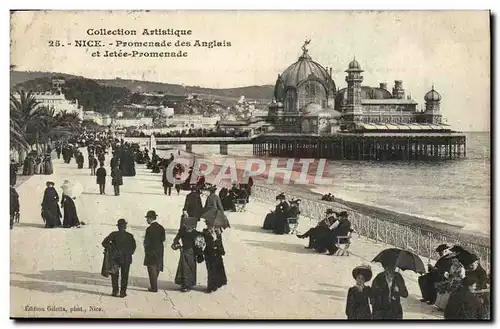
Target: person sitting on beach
<point>280,211</point>
<point>322,228</point>
<point>328,197</point>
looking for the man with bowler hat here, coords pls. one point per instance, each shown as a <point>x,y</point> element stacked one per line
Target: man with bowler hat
<point>153,249</point>
<point>122,245</point>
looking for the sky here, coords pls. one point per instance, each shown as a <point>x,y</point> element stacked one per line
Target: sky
<point>450,49</point>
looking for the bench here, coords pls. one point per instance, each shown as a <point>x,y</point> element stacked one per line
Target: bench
<point>241,205</point>
<point>343,243</point>
<point>293,222</point>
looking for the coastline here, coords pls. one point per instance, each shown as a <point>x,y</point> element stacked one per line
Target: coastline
<point>306,192</point>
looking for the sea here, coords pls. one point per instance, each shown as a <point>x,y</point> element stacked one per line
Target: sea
<point>455,192</point>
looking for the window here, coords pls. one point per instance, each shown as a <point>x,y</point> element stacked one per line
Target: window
<point>311,92</point>
<point>291,101</point>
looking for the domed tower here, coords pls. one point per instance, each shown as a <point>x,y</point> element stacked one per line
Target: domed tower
<point>432,112</point>
<point>352,109</point>
<point>302,83</point>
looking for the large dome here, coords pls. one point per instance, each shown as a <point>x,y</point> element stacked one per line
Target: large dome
<point>303,69</point>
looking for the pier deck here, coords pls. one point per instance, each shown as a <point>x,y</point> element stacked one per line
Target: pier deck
<point>270,276</point>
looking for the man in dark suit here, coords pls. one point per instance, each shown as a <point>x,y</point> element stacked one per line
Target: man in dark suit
<point>101,178</point>
<point>153,249</point>
<point>122,246</point>
<point>315,233</point>
<point>341,227</point>
<point>116,180</point>
<point>193,206</point>
<point>435,274</point>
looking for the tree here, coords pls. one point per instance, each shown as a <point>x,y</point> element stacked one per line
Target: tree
<point>27,115</point>
<point>35,125</point>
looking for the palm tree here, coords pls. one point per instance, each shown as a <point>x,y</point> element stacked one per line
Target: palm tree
<point>32,124</point>
<point>25,117</point>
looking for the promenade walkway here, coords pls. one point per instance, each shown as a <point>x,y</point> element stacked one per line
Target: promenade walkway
<point>270,276</point>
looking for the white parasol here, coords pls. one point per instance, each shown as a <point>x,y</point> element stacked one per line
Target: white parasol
<point>71,189</point>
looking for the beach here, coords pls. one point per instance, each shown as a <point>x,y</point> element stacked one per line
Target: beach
<point>452,229</point>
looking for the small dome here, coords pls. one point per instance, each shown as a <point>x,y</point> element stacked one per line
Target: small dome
<point>354,65</point>
<point>432,96</point>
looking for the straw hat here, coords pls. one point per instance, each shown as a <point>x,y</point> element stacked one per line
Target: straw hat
<point>364,270</point>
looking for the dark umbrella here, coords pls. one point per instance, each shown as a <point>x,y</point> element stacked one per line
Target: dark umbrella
<point>403,259</point>
<point>464,255</point>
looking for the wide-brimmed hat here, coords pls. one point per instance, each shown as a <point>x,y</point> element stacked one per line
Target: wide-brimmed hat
<point>329,211</point>
<point>50,183</point>
<point>364,270</point>
<point>442,247</point>
<point>121,222</point>
<point>151,214</point>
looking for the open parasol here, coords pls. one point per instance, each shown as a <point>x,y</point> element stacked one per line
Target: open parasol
<point>402,259</point>
<point>71,189</point>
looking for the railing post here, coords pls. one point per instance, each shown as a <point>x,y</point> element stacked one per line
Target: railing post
<point>407,237</point>
<point>418,242</point>
<point>376,230</point>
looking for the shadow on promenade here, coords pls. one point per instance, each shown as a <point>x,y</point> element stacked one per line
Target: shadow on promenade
<point>59,277</point>
<point>21,224</point>
<point>250,228</point>
<point>279,246</point>
<point>169,231</point>
<point>49,287</point>
<point>334,294</point>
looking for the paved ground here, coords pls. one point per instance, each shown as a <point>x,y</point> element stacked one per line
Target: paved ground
<point>269,276</point>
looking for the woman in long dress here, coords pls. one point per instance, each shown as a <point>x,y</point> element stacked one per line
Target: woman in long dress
<point>214,211</point>
<point>275,218</point>
<point>48,169</point>
<point>213,252</point>
<point>70,214</point>
<point>51,213</point>
<point>358,297</point>
<point>186,269</point>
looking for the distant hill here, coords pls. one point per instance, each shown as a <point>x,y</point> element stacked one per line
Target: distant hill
<point>263,93</point>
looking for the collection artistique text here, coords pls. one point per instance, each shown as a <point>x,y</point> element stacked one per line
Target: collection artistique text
<point>161,32</point>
